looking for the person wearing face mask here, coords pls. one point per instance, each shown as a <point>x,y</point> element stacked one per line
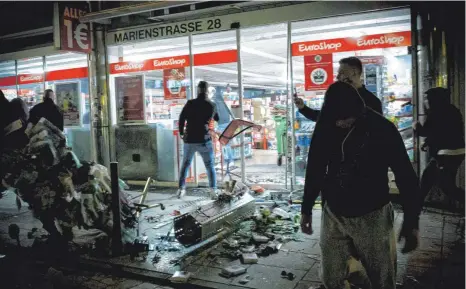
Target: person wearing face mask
<point>350,72</point>
<point>444,132</point>
<point>351,151</point>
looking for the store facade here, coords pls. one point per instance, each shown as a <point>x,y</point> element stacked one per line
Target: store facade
<point>266,55</point>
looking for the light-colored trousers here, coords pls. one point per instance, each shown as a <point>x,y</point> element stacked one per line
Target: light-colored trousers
<point>369,238</point>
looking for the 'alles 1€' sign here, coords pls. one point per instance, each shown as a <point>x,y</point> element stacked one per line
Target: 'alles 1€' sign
<point>74,35</point>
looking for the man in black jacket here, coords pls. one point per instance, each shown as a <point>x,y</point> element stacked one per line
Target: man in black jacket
<point>48,110</point>
<point>198,113</point>
<point>352,149</point>
<point>444,133</point>
<point>350,71</point>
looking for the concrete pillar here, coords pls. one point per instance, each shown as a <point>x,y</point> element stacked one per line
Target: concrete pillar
<point>100,104</point>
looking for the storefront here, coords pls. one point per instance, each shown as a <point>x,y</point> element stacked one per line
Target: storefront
<point>67,75</point>
<point>268,63</point>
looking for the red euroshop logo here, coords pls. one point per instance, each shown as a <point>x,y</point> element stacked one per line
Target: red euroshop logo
<point>169,62</point>
<point>129,66</point>
<point>33,78</point>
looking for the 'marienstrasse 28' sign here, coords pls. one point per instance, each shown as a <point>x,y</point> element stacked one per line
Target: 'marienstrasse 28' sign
<point>169,30</point>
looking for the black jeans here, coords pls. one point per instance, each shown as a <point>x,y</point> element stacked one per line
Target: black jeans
<point>442,170</point>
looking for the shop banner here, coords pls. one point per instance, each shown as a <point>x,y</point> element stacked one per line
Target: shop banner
<point>69,100</point>
<point>318,71</point>
<point>396,39</point>
<point>174,86</point>
<point>74,35</point>
<point>210,58</point>
<point>150,64</point>
<point>130,96</point>
<point>30,78</point>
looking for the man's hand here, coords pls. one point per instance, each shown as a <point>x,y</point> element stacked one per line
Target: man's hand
<point>411,237</point>
<point>415,125</point>
<point>299,102</point>
<point>306,224</point>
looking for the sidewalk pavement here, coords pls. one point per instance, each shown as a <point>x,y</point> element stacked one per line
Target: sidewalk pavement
<point>438,263</point>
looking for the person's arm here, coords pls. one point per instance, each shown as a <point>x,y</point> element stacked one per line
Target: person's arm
<point>33,116</point>
<point>309,113</point>
<point>406,180</point>
<point>215,117</point>
<point>61,121</point>
<point>182,119</point>
<point>423,130</point>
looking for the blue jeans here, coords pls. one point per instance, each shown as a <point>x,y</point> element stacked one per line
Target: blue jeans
<point>206,150</point>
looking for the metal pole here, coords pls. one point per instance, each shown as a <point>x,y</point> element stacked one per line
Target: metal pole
<point>289,97</point>
<point>415,76</point>
<point>240,96</point>
<point>193,95</point>
<point>116,233</point>
<point>16,78</point>
<point>44,68</point>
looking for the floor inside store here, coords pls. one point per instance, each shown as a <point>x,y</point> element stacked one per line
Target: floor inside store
<point>438,263</point>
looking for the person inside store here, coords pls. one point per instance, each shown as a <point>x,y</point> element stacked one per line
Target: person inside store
<point>444,133</point>
<point>197,114</point>
<point>350,71</point>
<point>352,149</point>
<point>48,110</point>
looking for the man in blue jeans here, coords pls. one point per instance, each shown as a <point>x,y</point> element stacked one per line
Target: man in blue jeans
<point>197,137</point>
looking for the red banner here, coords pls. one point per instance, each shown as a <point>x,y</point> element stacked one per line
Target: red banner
<point>318,71</point>
<point>396,39</point>
<point>130,96</point>
<point>209,58</point>
<point>74,35</point>
<point>8,81</point>
<point>173,85</point>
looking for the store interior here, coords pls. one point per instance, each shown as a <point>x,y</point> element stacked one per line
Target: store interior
<point>387,73</point>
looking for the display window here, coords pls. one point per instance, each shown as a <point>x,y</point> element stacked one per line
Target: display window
<point>8,79</point>
<point>67,75</point>
<point>380,40</point>
<point>31,80</point>
<point>215,61</point>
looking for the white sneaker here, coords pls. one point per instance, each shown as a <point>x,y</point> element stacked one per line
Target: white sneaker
<point>181,193</point>
<point>213,193</point>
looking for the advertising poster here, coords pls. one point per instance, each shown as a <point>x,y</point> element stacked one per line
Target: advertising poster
<point>318,71</point>
<point>69,100</point>
<point>74,35</point>
<point>174,85</point>
<point>130,97</point>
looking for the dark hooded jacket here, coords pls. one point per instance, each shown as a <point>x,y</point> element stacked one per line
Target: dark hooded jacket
<point>47,110</point>
<point>371,101</point>
<point>350,167</point>
<point>444,126</point>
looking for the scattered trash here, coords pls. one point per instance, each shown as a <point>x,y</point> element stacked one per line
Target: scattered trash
<point>249,258</point>
<point>288,275</point>
<point>248,249</point>
<point>259,238</point>
<point>232,271</point>
<point>245,280</point>
<point>281,213</point>
<point>180,277</point>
